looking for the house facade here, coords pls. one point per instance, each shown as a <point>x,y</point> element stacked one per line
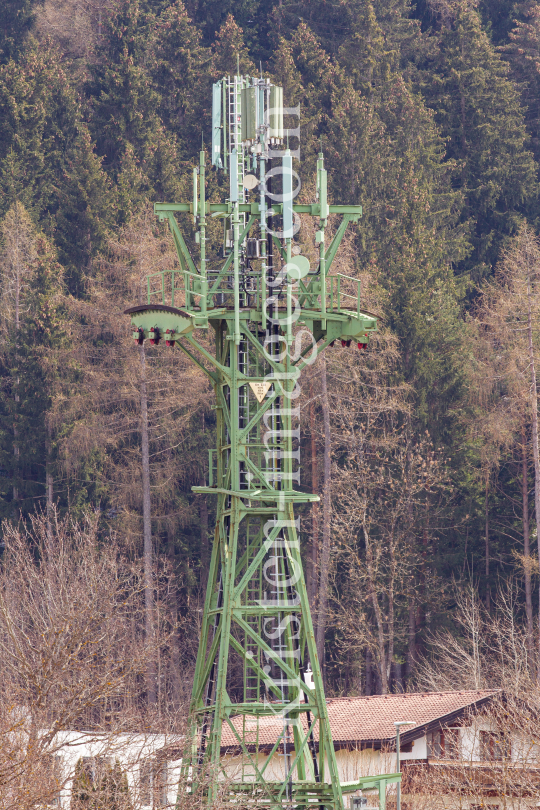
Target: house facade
<point>466,749</point>
<point>143,768</point>
<point>461,751</point>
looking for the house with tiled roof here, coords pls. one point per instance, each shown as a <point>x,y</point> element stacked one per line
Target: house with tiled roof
<point>460,749</point>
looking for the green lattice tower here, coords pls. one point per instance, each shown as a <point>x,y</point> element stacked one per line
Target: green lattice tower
<point>257,666</point>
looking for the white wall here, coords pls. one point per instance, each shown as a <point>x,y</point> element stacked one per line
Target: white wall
<point>129,750</point>
<point>356,763</point>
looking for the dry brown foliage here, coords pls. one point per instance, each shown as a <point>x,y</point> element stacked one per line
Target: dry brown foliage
<point>503,384</point>
<point>74,25</point>
<point>71,652</point>
<point>101,399</point>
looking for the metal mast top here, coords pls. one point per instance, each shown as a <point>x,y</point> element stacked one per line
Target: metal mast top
<point>260,734</point>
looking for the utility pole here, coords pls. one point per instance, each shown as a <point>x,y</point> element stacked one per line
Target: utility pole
<point>269,313</point>
<point>398,724</point>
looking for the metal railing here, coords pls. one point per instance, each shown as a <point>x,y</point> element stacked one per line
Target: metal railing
<point>182,288</point>
<point>337,294</point>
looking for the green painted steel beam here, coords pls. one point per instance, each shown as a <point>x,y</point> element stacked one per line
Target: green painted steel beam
<point>253,208</point>
<point>288,496</point>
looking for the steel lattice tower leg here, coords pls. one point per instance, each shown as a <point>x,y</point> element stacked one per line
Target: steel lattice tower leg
<point>257,635</point>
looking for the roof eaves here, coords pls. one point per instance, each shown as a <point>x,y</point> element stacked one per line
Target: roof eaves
<point>419,731</point>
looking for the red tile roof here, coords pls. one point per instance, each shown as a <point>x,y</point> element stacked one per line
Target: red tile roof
<point>368,720</point>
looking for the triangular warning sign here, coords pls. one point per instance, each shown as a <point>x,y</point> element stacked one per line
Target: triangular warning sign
<point>260,389</point>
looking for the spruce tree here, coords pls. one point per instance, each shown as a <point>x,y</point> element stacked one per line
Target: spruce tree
<point>230,51</point>
<point>309,76</point>
<point>124,123</point>
<point>345,27</point>
<point>86,209</point>
<point>498,18</point>
<point>253,16</point>
<point>39,113</point>
<point>32,330</point>
<point>393,167</point>
<point>365,56</point>
<point>523,54</point>
<point>181,77</point>
<point>478,110</point>
<point>16,21</point>
<point>123,99</point>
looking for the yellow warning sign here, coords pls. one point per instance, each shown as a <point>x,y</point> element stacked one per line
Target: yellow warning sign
<point>260,389</point>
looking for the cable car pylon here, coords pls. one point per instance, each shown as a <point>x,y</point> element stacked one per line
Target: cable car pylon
<point>260,734</point>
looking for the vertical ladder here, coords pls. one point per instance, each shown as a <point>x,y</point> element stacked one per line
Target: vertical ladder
<point>234,87</point>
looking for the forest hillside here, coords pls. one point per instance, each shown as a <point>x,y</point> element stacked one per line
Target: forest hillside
<point>428,116</point>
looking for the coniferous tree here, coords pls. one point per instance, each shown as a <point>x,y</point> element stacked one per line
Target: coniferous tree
<point>310,77</point>
<point>230,51</point>
<point>39,113</point>
<point>498,17</point>
<point>86,209</point>
<point>16,21</point>
<point>181,77</point>
<point>253,16</point>
<point>32,329</point>
<point>523,53</point>
<point>478,110</point>
<point>346,27</point>
<point>394,167</point>
<point>504,381</point>
<point>124,122</point>
<point>365,56</point>
<point>419,122</point>
<point>383,150</point>
<point>123,100</point>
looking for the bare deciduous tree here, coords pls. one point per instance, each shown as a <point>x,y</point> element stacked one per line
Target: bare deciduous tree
<point>485,649</point>
<point>132,408</point>
<point>71,648</point>
<point>504,379</point>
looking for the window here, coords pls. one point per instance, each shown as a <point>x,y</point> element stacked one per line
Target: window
<point>99,782</point>
<point>93,769</point>
<point>450,743</point>
<point>445,744</point>
<point>494,746</point>
<point>153,788</point>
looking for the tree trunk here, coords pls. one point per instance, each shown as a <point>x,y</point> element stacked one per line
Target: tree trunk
<point>49,488</point>
<point>326,510</point>
<point>313,559</point>
<point>397,680</point>
<point>526,541</point>
<point>486,537</point>
<point>177,690</point>
<point>390,624</point>
<point>372,593</point>
<point>16,451</point>
<point>369,672</point>
<point>380,637</point>
<point>147,535</point>
<point>421,607</point>
<point>411,651</point>
<point>534,418</point>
